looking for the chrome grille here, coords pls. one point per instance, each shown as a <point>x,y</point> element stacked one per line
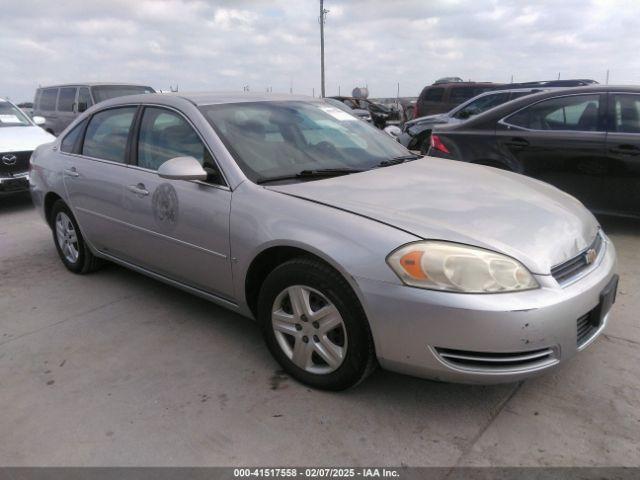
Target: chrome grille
<point>14,162</point>
<point>569,269</point>
<point>497,361</point>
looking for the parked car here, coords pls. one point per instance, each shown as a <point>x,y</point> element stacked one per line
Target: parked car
<point>360,113</point>
<point>381,115</point>
<point>346,250</point>
<point>61,104</point>
<point>416,133</point>
<point>19,136</point>
<point>585,141</point>
<point>442,97</point>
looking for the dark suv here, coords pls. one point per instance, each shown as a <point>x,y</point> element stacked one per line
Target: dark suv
<point>442,97</point>
<point>61,104</point>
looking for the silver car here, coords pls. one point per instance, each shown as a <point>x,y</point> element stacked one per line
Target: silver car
<point>348,251</point>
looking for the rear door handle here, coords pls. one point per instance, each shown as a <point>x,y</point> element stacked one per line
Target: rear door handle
<point>626,150</point>
<point>71,172</point>
<point>517,142</point>
<point>138,189</point>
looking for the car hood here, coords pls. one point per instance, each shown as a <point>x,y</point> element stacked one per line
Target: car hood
<point>22,139</point>
<point>447,200</point>
<point>429,119</point>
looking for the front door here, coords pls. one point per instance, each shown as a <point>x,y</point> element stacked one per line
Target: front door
<point>622,180</point>
<point>560,141</point>
<point>180,228</point>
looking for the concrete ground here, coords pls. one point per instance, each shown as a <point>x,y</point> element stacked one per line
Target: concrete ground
<point>117,369</point>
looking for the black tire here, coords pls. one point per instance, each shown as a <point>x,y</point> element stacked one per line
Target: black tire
<point>359,360</point>
<point>86,261</point>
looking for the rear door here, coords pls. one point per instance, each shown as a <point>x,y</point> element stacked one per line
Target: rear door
<point>560,140</point>
<point>180,229</point>
<point>622,177</point>
<point>95,170</point>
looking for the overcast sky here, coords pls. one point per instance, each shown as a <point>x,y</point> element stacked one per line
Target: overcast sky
<point>225,44</point>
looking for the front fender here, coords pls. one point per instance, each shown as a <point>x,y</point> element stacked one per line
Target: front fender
<point>354,245</point>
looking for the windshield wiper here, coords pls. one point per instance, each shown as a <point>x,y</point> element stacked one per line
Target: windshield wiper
<point>397,160</point>
<point>315,173</point>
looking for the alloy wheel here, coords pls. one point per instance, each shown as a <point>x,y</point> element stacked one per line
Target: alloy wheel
<point>309,329</point>
<point>67,237</point>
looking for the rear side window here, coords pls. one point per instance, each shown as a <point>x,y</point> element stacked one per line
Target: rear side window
<point>107,134</point>
<point>575,113</point>
<point>66,99</point>
<point>626,115</point>
<point>433,95</point>
<point>461,94</point>
<point>69,142</point>
<point>48,99</point>
<point>165,135</point>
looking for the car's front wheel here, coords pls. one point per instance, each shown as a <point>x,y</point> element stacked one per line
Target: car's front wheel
<point>71,247</point>
<point>314,325</point>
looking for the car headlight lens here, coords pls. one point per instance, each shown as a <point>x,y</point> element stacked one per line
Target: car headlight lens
<point>454,267</point>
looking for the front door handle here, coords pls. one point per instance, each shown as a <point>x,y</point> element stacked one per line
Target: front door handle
<point>517,142</point>
<point>626,149</point>
<point>71,172</point>
<point>138,189</point>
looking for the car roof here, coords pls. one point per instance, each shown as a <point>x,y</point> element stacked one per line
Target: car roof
<point>514,105</point>
<point>461,84</point>
<point>206,98</point>
<point>94,84</point>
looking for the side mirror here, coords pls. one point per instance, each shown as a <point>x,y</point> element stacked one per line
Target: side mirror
<point>464,114</point>
<point>182,168</point>
<point>38,120</point>
<point>394,131</point>
<point>82,106</point>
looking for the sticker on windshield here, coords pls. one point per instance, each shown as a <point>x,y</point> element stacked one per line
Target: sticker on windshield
<point>9,119</point>
<point>337,113</point>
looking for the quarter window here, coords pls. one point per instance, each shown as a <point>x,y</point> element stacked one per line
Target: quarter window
<point>107,134</point>
<point>70,140</point>
<point>48,99</point>
<point>575,113</point>
<point>165,135</point>
<point>66,99</point>
<point>627,113</point>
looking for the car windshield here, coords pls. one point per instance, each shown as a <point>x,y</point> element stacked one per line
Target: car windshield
<point>105,92</point>
<point>272,139</point>
<point>12,116</point>
<point>481,104</point>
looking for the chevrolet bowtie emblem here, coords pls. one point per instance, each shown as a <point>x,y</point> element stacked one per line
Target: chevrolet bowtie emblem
<point>590,256</point>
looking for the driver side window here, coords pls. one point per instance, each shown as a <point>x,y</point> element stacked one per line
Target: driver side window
<point>164,135</point>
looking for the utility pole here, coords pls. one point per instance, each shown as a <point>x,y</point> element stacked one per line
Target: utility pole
<point>607,81</point>
<point>323,14</point>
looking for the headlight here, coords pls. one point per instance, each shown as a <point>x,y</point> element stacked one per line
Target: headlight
<point>455,267</point>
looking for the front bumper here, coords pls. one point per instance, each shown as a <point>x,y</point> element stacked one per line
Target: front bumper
<point>486,338</point>
<point>18,182</point>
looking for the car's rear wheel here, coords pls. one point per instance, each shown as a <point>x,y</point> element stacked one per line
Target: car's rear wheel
<point>70,244</point>
<point>314,325</point>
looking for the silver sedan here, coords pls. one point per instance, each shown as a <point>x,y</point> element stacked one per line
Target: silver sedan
<point>349,251</point>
